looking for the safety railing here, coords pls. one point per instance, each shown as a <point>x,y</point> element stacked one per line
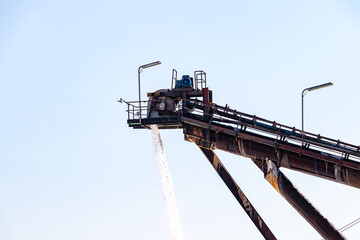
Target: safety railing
<point>200,79</point>
<point>135,112</point>
<point>245,122</point>
<point>173,78</point>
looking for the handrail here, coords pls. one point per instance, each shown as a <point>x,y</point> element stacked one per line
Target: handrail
<point>252,123</point>
<point>286,131</point>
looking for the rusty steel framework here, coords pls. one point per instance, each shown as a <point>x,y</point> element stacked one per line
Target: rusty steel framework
<point>267,143</point>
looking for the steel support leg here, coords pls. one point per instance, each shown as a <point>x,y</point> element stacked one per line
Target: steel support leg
<point>284,186</point>
<point>238,194</point>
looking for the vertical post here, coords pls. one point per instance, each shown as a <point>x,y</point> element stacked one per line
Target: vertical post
<point>302,110</point>
<point>302,98</point>
<point>184,104</point>
<point>206,101</point>
<point>143,67</point>
<point>139,91</point>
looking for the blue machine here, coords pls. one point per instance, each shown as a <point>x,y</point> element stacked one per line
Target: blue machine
<point>184,82</point>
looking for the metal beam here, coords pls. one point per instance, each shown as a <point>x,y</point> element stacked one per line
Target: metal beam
<point>284,186</point>
<point>293,157</point>
<point>238,193</point>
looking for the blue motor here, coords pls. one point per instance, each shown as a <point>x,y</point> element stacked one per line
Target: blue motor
<point>184,82</point>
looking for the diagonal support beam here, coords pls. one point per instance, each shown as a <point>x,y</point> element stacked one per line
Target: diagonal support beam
<point>238,193</point>
<point>284,186</point>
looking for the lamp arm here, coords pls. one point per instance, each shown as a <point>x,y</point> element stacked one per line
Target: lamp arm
<point>139,90</point>
<point>306,89</point>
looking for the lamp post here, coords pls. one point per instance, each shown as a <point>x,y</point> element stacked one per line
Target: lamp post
<point>139,70</point>
<point>304,93</point>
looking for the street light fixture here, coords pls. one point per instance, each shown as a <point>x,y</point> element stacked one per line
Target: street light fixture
<point>139,71</point>
<point>304,93</point>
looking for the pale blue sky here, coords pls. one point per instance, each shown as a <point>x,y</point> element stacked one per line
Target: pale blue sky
<point>72,169</point>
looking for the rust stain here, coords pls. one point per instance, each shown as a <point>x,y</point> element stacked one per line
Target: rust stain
<point>272,175</point>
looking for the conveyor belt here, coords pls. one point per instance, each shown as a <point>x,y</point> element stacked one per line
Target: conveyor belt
<point>253,137</point>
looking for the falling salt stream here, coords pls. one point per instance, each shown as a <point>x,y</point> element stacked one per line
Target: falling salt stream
<point>173,216</point>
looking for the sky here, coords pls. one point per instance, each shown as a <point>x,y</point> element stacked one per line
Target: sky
<point>71,168</point>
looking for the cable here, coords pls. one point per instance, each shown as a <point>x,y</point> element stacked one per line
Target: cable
<point>349,225</point>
